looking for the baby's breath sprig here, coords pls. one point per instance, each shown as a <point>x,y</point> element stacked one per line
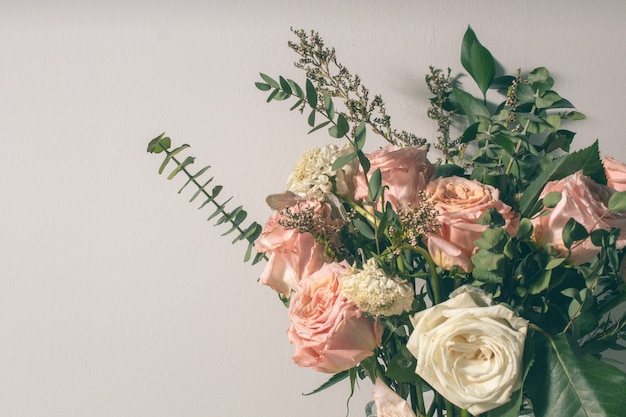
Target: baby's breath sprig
<point>418,220</point>
<point>439,84</point>
<point>303,220</point>
<point>332,78</point>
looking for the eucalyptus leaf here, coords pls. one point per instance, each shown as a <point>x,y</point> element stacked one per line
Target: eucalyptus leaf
<point>284,85</point>
<point>272,82</point>
<point>340,129</point>
<point>311,94</point>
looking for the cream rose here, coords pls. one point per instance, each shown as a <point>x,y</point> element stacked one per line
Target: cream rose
<point>586,202</point>
<point>460,203</point>
<point>388,403</point>
<point>470,350</point>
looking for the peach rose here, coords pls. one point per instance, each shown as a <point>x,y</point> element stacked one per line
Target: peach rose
<point>460,203</point>
<point>405,170</point>
<point>388,403</point>
<point>329,332</point>
<point>615,173</point>
<point>293,255</point>
<point>585,201</point>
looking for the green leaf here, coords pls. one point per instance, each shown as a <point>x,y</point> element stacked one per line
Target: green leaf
<point>587,159</point>
<point>284,84</point>
<point>340,129</point>
<point>574,115</point>
<point>311,118</point>
<point>573,232</point>
<point>477,60</point>
<point>402,366</point>
<point>272,82</point>
<point>311,94</point>
<point>188,161</point>
<point>550,200</point>
<point>564,383</point>
<point>365,229</point>
<point>332,381</point>
<point>329,107</point>
<point>524,93</point>
<point>617,202</point>
<point>342,160</point>
<point>359,136</point>
<point>375,186</point>
<point>561,139</point>
<point>319,126</point>
<point>159,144</point>
<point>263,86</point>
<point>469,105</point>
<point>171,155</point>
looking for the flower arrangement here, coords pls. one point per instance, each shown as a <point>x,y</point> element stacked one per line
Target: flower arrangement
<point>493,276</point>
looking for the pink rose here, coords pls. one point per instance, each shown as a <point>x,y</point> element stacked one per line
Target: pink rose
<point>388,403</point>
<point>615,173</point>
<point>293,255</point>
<point>460,203</point>
<point>585,201</point>
<point>405,170</point>
<point>329,332</point>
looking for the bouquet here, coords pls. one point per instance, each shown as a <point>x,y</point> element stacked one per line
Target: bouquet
<point>492,275</point>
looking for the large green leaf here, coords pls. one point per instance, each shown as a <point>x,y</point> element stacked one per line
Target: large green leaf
<point>588,160</point>
<point>468,105</point>
<point>477,60</point>
<point>563,383</point>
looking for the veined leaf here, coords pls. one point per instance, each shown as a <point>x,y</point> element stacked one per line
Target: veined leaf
<point>477,60</point>
<point>469,105</point>
<point>587,159</point>
<point>263,86</point>
<point>188,161</point>
<point>568,384</point>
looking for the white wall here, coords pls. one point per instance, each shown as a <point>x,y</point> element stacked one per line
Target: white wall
<point>116,297</point>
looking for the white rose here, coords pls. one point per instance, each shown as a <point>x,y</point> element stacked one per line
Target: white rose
<point>388,403</point>
<point>469,350</point>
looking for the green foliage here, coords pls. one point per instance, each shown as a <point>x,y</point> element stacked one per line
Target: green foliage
<point>235,217</point>
<point>564,382</point>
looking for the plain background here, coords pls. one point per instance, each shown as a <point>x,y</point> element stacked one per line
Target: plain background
<point>117,298</point>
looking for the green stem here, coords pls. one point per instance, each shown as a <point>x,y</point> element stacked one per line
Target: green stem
<point>435,279</point>
<point>465,413</point>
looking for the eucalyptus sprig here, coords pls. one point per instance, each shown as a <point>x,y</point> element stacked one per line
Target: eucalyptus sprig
<point>235,217</point>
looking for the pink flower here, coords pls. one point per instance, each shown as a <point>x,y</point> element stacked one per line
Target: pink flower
<point>405,170</point>
<point>293,255</point>
<point>615,173</point>
<point>585,201</point>
<point>388,403</point>
<point>460,203</point>
<point>329,332</point>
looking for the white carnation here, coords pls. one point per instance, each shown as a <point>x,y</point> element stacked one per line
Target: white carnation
<point>376,293</point>
<point>313,175</point>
